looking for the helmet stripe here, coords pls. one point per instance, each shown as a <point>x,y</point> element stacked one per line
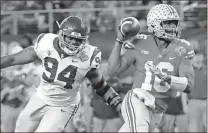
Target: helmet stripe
<point>169,8</point>
<point>172,9</point>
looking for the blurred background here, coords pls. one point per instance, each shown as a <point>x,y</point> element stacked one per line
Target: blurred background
<point>22,21</point>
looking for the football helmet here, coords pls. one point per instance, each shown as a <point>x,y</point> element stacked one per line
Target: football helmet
<point>73,34</point>
<point>163,21</point>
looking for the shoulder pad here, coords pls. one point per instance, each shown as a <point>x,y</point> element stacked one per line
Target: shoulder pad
<point>189,49</point>
<point>43,36</point>
<point>43,43</point>
<point>185,42</point>
<point>38,40</point>
<point>40,37</point>
<point>95,59</point>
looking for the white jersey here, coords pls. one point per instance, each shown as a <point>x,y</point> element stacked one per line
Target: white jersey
<point>62,76</point>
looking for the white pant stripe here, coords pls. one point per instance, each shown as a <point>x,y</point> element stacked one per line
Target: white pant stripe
<point>73,113</point>
<point>127,113</point>
<point>132,115</point>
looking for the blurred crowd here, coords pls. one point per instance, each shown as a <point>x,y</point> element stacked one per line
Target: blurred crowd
<point>60,4</point>
<point>102,20</point>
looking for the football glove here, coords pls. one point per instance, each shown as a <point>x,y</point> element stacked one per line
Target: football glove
<point>157,72</point>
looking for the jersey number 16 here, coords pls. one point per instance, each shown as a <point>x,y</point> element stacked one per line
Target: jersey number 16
<point>151,81</point>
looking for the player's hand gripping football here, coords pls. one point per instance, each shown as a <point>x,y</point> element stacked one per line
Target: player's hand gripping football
<point>128,28</point>
<point>157,72</point>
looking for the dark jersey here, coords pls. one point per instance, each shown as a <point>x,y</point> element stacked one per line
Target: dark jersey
<point>169,61</point>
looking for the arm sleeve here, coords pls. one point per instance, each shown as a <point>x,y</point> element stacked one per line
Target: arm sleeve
<point>127,59</point>
<point>185,66</point>
<point>128,56</point>
<point>185,80</point>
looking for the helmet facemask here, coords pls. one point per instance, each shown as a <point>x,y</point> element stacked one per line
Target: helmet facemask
<point>168,29</point>
<point>71,44</point>
<point>73,34</point>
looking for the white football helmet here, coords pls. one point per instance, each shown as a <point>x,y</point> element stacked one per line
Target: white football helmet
<point>159,16</point>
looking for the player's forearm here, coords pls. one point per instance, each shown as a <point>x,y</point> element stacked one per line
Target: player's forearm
<point>179,83</point>
<point>25,56</point>
<point>114,61</point>
<point>109,95</point>
<point>7,61</point>
<point>12,60</point>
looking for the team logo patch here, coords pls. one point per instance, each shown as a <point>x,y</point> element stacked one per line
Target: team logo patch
<point>180,50</point>
<point>83,57</point>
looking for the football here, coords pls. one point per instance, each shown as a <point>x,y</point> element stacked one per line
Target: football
<point>129,27</point>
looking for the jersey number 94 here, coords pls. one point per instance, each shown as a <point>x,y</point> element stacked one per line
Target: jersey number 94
<point>51,66</point>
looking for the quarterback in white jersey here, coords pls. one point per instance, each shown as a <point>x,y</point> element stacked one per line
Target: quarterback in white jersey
<point>67,60</point>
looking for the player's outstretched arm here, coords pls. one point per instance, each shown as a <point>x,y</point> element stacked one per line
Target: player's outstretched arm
<point>25,56</point>
<point>127,30</point>
<point>114,61</point>
<point>118,63</point>
<point>103,89</point>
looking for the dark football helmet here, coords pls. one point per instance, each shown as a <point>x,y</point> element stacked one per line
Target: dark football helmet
<point>73,34</point>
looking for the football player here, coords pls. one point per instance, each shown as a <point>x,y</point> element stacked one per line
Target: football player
<point>162,64</point>
<point>67,60</point>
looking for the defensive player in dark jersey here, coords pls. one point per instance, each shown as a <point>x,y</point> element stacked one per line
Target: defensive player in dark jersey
<point>162,64</point>
<point>67,60</point>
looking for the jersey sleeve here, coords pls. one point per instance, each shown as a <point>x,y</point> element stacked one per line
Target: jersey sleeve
<point>40,48</point>
<point>129,56</point>
<point>189,50</point>
<point>95,59</point>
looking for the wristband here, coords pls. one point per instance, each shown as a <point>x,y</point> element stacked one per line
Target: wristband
<point>178,83</point>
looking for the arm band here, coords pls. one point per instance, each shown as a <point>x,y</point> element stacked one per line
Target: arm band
<point>112,97</point>
<point>109,95</point>
<point>178,83</point>
<point>101,92</point>
<point>99,85</point>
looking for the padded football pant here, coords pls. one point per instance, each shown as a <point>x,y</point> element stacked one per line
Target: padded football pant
<point>137,116</point>
<point>40,117</point>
